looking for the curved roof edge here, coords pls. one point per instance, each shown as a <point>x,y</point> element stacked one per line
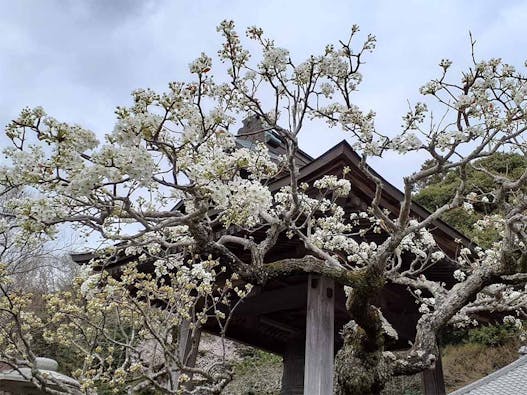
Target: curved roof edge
<point>343,150</point>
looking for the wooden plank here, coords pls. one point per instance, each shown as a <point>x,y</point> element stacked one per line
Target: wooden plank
<point>320,321</point>
<point>433,380</point>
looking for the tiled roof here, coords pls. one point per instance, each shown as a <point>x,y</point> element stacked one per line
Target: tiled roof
<point>510,380</point>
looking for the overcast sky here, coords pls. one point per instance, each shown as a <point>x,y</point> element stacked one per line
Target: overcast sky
<point>80,59</point>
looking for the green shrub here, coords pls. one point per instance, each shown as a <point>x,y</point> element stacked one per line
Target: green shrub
<point>493,335</point>
<point>487,335</point>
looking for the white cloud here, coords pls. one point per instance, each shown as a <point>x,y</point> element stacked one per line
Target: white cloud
<point>81,59</point>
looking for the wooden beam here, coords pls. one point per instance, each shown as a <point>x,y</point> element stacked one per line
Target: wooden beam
<point>286,329</point>
<point>320,322</point>
<point>433,380</point>
<point>286,298</point>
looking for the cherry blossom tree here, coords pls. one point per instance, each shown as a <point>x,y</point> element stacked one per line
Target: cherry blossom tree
<point>176,147</point>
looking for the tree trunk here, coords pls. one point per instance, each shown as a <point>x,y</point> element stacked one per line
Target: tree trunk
<point>364,374</point>
<point>433,380</point>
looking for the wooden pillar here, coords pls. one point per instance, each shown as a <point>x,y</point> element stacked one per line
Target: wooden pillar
<point>320,322</point>
<point>188,343</point>
<point>293,375</point>
<point>433,380</point>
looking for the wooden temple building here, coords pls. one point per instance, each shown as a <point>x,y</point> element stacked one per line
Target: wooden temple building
<point>300,316</point>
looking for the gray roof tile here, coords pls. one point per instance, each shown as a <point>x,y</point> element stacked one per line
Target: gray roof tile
<point>510,380</point>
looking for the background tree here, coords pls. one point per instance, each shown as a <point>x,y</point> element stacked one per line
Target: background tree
<point>176,146</point>
<point>134,333</point>
<point>32,262</point>
<point>438,190</point>
<point>32,265</point>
